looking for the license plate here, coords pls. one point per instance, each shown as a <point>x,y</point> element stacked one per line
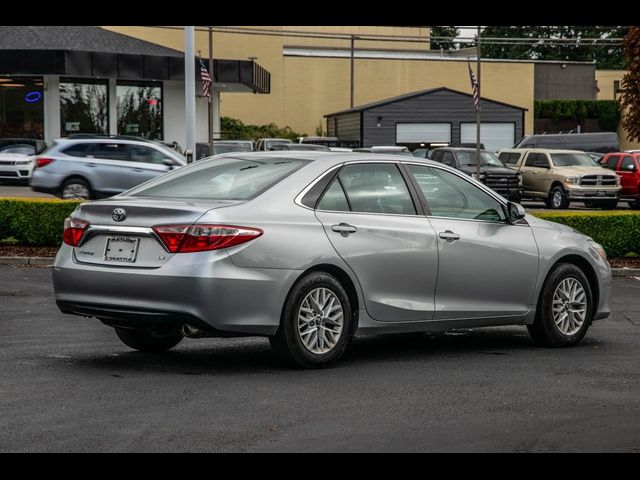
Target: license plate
<point>601,193</point>
<point>121,249</point>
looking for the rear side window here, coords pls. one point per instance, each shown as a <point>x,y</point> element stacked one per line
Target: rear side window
<point>140,153</point>
<point>612,162</point>
<point>223,179</point>
<point>109,151</point>
<point>77,150</point>
<point>373,188</point>
<point>334,198</point>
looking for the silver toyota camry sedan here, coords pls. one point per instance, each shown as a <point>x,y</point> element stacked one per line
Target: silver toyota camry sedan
<point>312,248</point>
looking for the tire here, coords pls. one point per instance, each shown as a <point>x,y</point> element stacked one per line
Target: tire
<point>293,344</point>
<point>557,198</point>
<point>75,188</point>
<point>145,341</point>
<point>549,332</point>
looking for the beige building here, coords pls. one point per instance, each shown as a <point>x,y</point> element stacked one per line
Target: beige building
<point>608,82</point>
<point>310,77</point>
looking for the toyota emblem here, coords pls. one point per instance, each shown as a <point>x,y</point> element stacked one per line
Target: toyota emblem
<point>119,214</point>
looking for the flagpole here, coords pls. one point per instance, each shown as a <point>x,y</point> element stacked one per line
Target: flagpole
<point>478,63</point>
<point>211,120</point>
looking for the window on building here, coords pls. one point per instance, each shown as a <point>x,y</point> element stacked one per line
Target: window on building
<point>84,106</point>
<point>21,107</point>
<point>140,109</point>
<point>616,88</point>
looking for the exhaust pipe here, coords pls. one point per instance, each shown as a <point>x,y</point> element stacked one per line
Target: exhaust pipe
<point>190,331</point>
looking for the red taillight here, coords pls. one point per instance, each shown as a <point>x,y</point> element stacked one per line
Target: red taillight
<point>200,238</point>
<point>73,231</point>
<point>42,161</point>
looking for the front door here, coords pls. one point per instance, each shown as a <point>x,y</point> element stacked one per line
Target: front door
<point>487,266</point>
<point>535,174</point>
<point>371,220</point>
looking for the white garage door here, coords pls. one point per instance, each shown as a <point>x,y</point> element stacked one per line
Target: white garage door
<point>423,132</point>
<point>493,136</point>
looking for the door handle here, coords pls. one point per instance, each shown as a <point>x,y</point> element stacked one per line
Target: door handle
<point>449,236</point>
<point>136,170</point>
<point>344,228</point>
<point>535,172</point>
<point>91,164</point>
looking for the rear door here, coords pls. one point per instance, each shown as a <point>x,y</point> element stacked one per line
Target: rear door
<point>369,215</point>
<point>111,167</point>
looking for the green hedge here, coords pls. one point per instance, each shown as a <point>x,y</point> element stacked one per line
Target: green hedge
<point>38,222</point>
<point>32,221</point>
<point>617,231</point>
<point>606,112</point>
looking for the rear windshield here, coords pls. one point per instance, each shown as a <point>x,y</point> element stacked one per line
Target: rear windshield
<point>220,179</point>
<point>573,159</point>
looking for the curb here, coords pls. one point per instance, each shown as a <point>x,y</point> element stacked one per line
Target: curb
<point>48,261</point>
<point>34,261</point>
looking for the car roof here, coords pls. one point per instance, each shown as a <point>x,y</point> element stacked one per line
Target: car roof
<point>540,150</point>
<point>328,158</point>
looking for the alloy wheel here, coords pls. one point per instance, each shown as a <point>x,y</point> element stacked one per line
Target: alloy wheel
<point>320,320</point>
<point>569,306</point>
<point>75,191</point>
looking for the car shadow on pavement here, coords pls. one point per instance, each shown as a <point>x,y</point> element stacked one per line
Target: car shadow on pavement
<point>232,356</point>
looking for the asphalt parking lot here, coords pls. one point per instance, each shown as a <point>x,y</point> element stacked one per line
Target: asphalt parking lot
<point>68,384</point>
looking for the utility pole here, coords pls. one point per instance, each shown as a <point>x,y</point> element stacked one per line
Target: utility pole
<point>478,63</point>
<point>211,122</point>
<point>190,90</point>
<point>352,67</point>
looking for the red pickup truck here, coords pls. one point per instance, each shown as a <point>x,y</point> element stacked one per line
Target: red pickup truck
<point>627,165</point>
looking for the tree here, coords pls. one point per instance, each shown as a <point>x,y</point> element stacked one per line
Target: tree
<point>450,33</point>
<point>541,46</point>
<point>630,85</point>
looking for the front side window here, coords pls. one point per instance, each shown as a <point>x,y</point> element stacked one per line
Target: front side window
<point>451,196</point>
<point>139,107</point>
<point>376,188</point>
<point>223,179</point>
<point>140,153</point>
<point>627,162</point>
<point>84,107</point>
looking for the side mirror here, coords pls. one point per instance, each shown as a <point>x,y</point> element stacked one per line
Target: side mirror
<point>515,212</point>
<point>631,167</point>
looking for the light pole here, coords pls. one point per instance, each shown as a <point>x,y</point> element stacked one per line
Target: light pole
<point>190,90</point>
<point>211,122</point>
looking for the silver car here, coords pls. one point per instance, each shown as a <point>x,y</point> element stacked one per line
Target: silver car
<point>312,248</point>
<point>87,167</point>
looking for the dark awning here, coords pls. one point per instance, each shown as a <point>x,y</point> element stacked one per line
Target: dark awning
<point>95,52</point>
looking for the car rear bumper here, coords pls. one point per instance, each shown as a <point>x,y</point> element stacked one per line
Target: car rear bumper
<point>203,289</point>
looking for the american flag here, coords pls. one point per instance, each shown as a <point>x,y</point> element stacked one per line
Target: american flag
<point>206,80</point>
<point>474,87</point>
